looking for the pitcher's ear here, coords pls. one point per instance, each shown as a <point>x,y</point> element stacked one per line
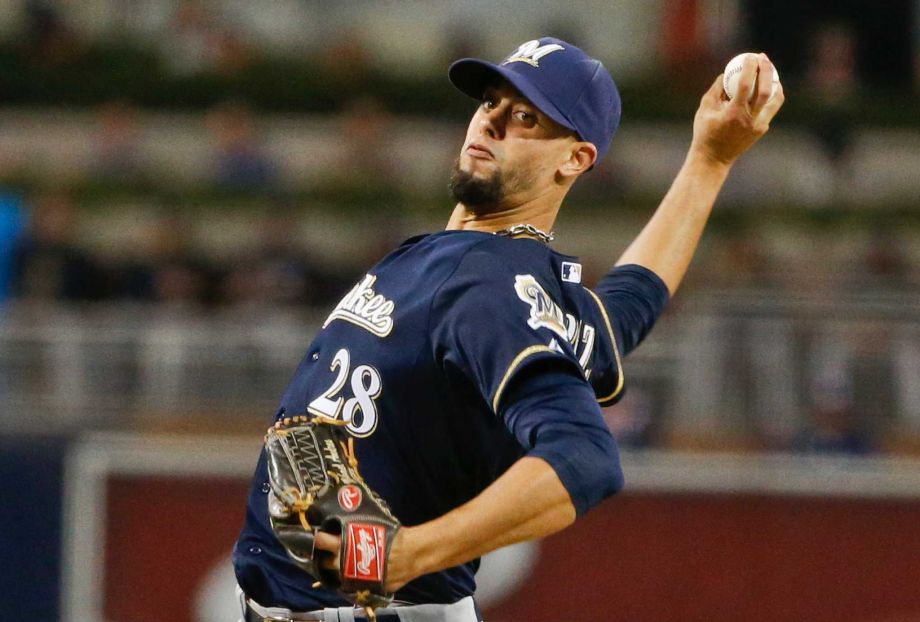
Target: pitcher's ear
<point>582,157</point>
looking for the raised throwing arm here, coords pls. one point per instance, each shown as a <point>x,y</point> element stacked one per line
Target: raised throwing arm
<point>722,130</point>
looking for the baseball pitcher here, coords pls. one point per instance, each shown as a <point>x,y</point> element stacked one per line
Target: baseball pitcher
<point>450,403</point>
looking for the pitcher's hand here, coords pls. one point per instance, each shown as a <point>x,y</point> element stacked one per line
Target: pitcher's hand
<point>402,565</point>
<point>723,129</point>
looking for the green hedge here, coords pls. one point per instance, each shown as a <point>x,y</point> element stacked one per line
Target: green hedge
<point>123,71</point>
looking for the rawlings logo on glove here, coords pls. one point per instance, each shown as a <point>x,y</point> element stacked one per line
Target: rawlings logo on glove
<point>367,544</point>
<point>316,486</point>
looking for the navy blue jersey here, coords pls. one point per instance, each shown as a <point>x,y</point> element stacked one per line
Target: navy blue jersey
<point>418,357</point>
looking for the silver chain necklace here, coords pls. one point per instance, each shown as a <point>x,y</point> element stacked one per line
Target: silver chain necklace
<point>514,230</point>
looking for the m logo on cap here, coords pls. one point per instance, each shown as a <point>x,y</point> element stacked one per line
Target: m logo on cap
<point>531,52</point>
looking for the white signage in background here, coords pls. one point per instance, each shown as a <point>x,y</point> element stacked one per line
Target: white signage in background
<point>215,599</point>
<point>504,571</point>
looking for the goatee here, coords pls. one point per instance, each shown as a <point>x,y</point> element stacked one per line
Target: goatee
<point>479,195</point>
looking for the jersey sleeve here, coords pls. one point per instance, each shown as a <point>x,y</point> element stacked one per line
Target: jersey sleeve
<point>625,305</point>
<point>491,319</point>
<point>554,416</point>
<point>633,298</point>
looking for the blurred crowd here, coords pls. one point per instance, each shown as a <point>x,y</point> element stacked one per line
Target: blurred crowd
<point>162,262</point>
<point>843,392</point>
<point>838,54</point>
<point>51,254</point>
<point>839,60</point>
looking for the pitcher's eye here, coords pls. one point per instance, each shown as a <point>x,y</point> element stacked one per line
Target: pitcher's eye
<point>526,118</point>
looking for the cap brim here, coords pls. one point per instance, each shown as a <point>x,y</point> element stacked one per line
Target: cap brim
<point>472,76</point>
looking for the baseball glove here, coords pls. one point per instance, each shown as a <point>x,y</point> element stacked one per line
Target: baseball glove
<point>315,485</point>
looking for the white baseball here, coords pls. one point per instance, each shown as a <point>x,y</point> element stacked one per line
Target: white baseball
<point>733,74</point>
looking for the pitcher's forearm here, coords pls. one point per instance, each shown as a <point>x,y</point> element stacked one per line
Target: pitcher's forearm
<point>667,243</point>
<point>527,502</point>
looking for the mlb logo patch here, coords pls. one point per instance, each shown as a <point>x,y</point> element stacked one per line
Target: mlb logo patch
<point>365,547</point>
<point>571,272</point>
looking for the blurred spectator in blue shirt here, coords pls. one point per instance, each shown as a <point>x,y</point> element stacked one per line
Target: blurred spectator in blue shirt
<point>832,426</point>
<point>117,144</point>
<point>630,419</point>
<point>49,40</point>
<point>240,159</point>
<point>166,266</point>
<point>11,221</point>
<point>188,46</point>
<point>47,263</point>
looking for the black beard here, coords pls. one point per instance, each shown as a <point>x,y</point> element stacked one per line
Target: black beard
<point>480,196</point>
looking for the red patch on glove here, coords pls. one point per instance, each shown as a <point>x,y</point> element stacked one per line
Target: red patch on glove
<point>365,547</point>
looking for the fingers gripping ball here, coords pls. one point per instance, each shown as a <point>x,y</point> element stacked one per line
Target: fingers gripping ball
<point>732,76</point>
<point>315,485</point>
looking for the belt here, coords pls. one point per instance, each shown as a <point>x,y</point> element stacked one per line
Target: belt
<point>274,614</point>
<point>252,615</point>
<point>464,610</point>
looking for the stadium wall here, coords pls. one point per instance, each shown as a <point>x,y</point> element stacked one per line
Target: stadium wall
<point>715,537</point>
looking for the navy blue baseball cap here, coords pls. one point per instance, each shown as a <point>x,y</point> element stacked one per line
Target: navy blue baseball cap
<point>566,84</point>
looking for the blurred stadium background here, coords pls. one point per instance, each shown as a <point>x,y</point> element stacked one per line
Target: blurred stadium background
<point>186,188</point>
